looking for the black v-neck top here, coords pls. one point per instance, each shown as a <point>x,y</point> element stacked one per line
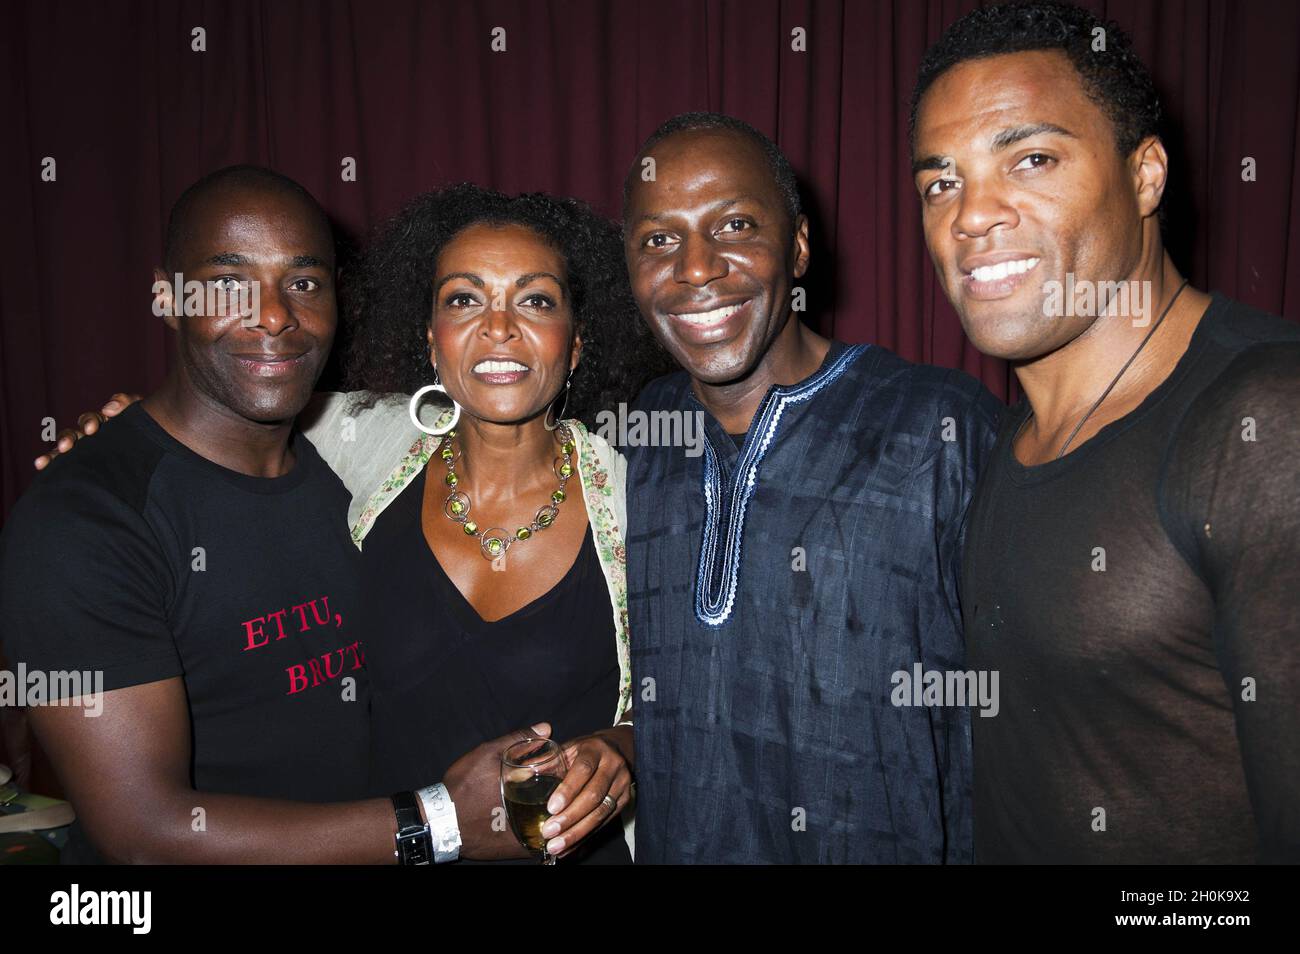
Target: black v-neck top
<point>1139,601</point>
<point>447,680</point>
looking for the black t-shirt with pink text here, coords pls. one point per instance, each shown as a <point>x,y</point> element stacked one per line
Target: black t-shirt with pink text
<point>135,557</point>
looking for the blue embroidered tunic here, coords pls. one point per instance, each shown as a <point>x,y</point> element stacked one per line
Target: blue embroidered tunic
<point>775,589</point>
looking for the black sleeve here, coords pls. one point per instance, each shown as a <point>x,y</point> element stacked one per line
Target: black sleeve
<point>84,587</point>
<point>1230,501</point>
<point>966,441</point>
<point>978,429</point>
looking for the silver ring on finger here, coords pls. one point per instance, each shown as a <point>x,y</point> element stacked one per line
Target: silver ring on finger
<point>610,802</point>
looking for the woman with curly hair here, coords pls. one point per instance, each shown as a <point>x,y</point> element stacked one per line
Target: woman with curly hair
<point>498,583</point>
<point>389,303</point>
<point>491,523</point>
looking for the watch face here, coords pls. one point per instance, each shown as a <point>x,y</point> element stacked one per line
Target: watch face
<point>414,846</point>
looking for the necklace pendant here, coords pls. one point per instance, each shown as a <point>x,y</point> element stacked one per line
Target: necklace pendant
<point>494,542</point>
<point>456,506</point>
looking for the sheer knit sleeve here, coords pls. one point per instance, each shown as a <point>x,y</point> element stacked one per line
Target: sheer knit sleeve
<point>1230,502</point>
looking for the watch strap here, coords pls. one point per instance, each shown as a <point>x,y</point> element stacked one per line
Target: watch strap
<point>413,845</point>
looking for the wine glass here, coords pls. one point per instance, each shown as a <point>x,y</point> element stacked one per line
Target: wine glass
<point>531,769</point>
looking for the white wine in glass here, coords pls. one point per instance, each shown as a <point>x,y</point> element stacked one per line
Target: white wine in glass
<point>531,770</point>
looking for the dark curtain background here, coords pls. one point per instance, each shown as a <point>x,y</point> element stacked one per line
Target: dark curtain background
<point>414,93</point>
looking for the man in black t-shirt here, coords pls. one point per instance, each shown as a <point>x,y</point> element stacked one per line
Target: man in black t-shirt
<point>196,559</point>
<point>1132,562</point>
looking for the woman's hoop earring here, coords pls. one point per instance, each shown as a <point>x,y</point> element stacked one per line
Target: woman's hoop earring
<point>564,407</point>
<point>415,401</point>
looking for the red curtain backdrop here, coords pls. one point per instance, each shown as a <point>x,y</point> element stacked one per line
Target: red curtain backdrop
<point>414,92</point>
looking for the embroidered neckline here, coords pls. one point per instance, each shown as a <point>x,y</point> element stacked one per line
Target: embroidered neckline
<point>715,598</point>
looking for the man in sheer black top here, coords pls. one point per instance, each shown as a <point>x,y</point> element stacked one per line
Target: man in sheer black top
<point>1132,563</point>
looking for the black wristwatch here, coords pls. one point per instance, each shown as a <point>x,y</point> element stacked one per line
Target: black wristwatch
<point>414,846</point>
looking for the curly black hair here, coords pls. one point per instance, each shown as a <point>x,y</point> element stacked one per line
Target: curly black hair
<point>388,304</point>
<point>1114,77</point>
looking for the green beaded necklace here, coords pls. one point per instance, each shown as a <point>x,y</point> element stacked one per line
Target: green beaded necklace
<point>495,541</point>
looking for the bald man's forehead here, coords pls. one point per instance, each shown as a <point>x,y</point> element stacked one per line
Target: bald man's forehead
<point>723,150</point>
<point>259,225</point>
<point>709,160</point>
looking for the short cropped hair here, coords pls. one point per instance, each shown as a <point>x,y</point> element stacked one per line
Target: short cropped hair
<point>782,171</point>
<point>1113,77</point>
<point>259,177</point>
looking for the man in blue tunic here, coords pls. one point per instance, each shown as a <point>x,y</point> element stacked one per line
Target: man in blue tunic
<point>789,586</point>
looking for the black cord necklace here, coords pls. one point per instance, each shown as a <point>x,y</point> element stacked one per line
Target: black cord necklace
<point>1114,381</point>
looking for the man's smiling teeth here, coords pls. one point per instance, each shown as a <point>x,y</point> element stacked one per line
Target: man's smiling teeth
<point>498,367</point>
<point>711,317</point>
<point>995,273</point>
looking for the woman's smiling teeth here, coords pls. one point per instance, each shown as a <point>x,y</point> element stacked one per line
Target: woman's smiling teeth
<point>498,367</point>
<point>714,317</point>
<point>996,273</point>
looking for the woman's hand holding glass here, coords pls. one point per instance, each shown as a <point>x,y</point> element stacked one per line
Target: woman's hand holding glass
<point>596,789</point>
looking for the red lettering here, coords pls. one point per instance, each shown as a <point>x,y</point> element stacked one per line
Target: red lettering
<point>327,657</point>
<point>251,633</point>
<point>301,610</point>
<point>278,616</point>
<point>300,674</point>
<point>333,669</point>
<point>321,620</point>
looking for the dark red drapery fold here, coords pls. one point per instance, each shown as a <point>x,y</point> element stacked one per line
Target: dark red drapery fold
<point>414,92</point>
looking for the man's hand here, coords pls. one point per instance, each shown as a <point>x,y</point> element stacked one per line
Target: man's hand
<point>87,424</point>
<point>474,783</point>
<point>599,766</point>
